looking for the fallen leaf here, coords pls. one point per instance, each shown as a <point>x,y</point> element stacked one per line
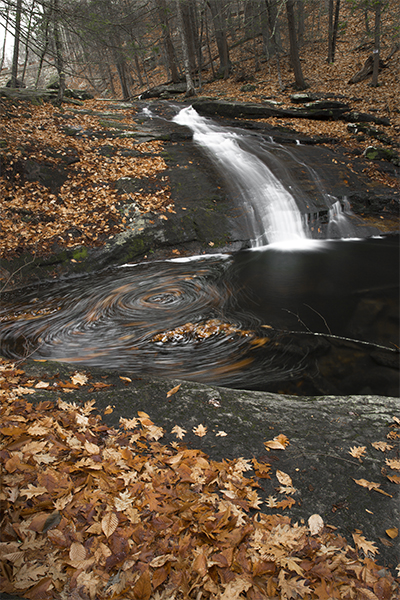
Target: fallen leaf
<point>392,532</point>
<point>79,379</point>
<point>315,524</point>
<point>173,390</point>
<point>77,552</point>
<point>109,524</point>
<point>284,478</point>
<point>42,385</point>
<point>200,430</point>
<point>358,451</point>
<point>179,432</point>
<point>221,434</point>
<point>364,545</point>
<point>393,463</point>
<point>382,446</point>
<point>278,443</point>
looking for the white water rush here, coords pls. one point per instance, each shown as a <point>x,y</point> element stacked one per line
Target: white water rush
<point>272,211</point>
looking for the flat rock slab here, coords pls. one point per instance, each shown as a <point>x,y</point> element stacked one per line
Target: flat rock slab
<point>321,431</point>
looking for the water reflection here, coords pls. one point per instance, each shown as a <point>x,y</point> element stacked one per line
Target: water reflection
<point>246,320</point>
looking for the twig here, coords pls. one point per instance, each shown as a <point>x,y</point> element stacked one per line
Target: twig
<point>335,337</point>
<point>319,314</point>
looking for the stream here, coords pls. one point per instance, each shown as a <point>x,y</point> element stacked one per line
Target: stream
<point>294,314</point>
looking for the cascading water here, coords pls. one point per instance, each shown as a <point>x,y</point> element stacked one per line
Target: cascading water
<point>272,211</point>
<point>250,319</point>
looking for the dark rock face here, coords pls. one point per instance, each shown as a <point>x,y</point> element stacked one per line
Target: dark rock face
<point>320,109</point>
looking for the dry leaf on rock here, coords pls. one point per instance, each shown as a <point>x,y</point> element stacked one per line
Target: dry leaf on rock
<point>382,446</point>
<point>179,432</point>
<point>79,379</point>
<point>315,524</point>
<point>393,463</point>
<point>200,430</point>
<point>278,443</point>
<point>392,532</point>
<point>173,390</point>
<point>42,385</point>
<point>364,545</point>
<point>358,451</point>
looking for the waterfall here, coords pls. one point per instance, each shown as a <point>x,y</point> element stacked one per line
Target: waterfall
<point>271,210</point>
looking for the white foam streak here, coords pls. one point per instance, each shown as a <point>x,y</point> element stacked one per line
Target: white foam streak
<point>271,209</point>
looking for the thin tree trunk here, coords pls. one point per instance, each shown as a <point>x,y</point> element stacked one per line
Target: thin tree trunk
<point>14,68</point>
<point>333,33</point>
<point>27,40</point>
<point>375,70</point>
<point>220,37</point>
<point>46,16</point>
<point>190,90</point>
<point>294,50</point>
<point>3,51</point>
<point>330,30</point>
<point>167,41</point>
<point>209,50</point>
<point>59,51</point>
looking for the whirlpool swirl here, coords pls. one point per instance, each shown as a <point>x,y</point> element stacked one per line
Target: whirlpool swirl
<point>165,318</point>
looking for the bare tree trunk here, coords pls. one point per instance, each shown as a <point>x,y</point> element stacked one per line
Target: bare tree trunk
<point>330,30</point>
<point>14,68</point>
<point>28,33</point>
<point>209,50</point>
<point>333,29</point>
<point>272,23</point>
<point>220,37</point>
<point>300,23</point>
<point>190,90</point>
<point>377,28</point>
<point>59,51</point>
<point>167,41</point>
<point>294,50</point>
<point>3,51</point>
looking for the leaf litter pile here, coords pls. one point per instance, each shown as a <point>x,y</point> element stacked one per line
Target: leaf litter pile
<point>59,189</point>
<point>92,512</point>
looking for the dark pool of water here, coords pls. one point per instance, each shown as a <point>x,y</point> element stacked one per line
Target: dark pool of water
<point>247,320</point>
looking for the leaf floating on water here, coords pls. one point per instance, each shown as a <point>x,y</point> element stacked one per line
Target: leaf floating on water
<point>173,390</point>
<point>200,430</point>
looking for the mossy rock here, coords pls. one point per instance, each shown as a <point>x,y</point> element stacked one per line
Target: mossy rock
<point>373,153</point>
